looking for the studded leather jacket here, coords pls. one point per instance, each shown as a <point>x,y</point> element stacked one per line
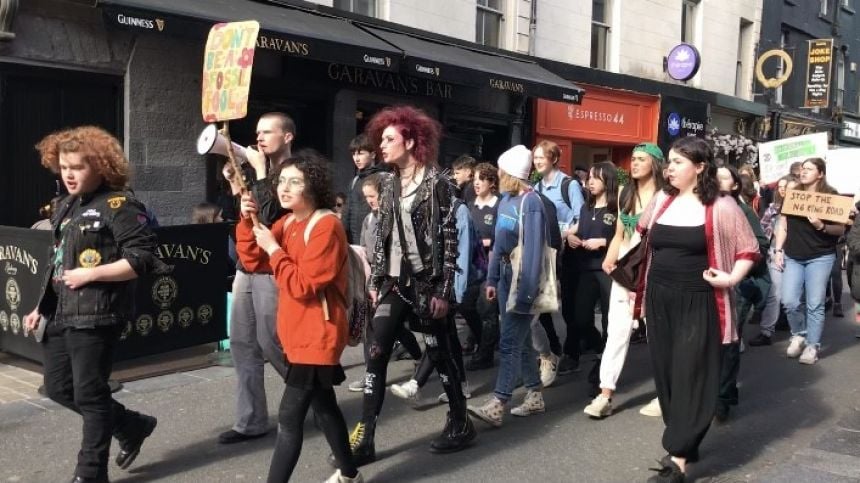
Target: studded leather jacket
<point>89,231</point>
<point>435,231</point>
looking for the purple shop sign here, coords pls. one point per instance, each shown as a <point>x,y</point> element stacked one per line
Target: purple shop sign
<point>683,62</point>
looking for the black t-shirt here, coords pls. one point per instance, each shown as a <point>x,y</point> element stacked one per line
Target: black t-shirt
<point>594,223</point>
<point>804,242</point>
<point>484,219</point>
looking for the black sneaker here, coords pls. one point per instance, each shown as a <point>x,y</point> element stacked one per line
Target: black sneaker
<point>669,473</point>
<point>568,365</point>
<point>130,449</point>
<point>455,437</point>
<point>760,340</point>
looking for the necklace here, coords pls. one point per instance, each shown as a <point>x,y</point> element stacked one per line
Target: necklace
<point>594,213</point>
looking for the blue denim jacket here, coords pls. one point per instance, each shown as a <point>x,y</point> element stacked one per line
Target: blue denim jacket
<point>567,216</point>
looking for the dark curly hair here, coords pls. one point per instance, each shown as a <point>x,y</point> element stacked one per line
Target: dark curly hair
<point>414,124</point>
<point>99,149</point>
<point>314,166</point>
<point>698,151</point>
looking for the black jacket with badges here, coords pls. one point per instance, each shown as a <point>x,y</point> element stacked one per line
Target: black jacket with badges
<point>91,230</point>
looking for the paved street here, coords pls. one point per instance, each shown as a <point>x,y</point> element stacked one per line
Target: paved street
<point>795,423</point>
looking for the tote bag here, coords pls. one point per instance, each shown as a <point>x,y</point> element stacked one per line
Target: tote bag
<point>546,299</point>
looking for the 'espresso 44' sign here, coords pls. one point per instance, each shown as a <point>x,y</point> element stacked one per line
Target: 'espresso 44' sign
<point>227,66</point>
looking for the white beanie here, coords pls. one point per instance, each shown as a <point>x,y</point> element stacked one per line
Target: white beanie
<point>517,162</point>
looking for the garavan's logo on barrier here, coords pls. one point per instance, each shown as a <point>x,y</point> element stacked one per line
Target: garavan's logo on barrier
<point>164,291</point>
<point>204,314</point>
<point>186,316</point>
<point>144,324</point>
<point>4,321</point>
<point>15,323</point>
<point>165,320</point>
<point>13,294</point>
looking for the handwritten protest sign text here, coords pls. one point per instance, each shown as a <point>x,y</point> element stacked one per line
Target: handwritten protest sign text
<point>227,66</point>
<point>823,206</point>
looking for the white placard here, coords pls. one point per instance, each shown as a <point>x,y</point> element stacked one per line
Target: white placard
<point>843,170</point>
<point>776,157</point>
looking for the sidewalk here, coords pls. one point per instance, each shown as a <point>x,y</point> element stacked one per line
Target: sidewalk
<point>18,384</point>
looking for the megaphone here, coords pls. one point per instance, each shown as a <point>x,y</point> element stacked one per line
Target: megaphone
<point>211,141</point>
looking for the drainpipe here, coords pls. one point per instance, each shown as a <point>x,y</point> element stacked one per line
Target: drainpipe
<point>533,27</point>
<point>8,8</point>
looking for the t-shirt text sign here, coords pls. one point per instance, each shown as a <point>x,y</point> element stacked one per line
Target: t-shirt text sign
<point>823,206</point>
<point>227,66</point>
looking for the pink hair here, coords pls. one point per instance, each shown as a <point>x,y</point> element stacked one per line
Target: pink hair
<point>414,124</point>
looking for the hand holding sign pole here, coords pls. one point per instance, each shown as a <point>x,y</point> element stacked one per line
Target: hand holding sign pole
<point>227,65</point>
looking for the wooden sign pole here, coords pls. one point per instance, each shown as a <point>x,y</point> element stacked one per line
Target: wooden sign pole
<point>243,188</point>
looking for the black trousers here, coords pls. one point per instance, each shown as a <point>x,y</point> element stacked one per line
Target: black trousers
<point>684,341</point>
<point>390,317</point>
<point>77,365</point>
<point>592,287</point>
<point>291,422</point>
<point>482,317</point>
<point>426,366</point>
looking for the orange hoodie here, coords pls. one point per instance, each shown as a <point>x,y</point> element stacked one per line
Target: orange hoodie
<point>301,272</point>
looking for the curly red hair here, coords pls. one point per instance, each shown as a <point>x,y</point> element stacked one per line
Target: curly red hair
<point>98,147</point>
<point>414,124</point>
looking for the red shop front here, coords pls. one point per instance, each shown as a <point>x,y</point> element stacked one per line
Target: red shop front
<point>605,127</point>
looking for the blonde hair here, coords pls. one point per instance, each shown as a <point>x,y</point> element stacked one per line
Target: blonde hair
<point>510,184</point>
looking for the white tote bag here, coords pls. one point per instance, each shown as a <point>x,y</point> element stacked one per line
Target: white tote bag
<point>546,300</point>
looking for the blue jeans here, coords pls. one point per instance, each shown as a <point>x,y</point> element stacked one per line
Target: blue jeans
<point>812,276</point>
<point>517,356</point>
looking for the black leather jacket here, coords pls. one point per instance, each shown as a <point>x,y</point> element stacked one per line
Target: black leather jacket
<point>435,230</point>
<point>93,230</point>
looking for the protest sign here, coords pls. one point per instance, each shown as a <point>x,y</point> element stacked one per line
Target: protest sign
<point>227,66</point>
<point>776,157</point>
<point>819,205</point>
<point>843,170</point>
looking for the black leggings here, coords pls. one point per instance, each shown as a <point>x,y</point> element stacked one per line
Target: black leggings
<point>391,313</point>
<point>291,423</point>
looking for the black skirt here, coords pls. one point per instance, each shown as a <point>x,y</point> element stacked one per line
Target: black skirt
<point>310,376</point>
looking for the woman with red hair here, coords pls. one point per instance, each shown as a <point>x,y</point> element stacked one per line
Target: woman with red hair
<point>413,262</point>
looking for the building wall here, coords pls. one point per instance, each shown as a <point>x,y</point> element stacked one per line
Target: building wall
<point>563,31</point>
<point>650,28</point>
<point>163,121</point>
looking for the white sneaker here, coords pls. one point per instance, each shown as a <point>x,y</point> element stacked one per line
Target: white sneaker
<point>339,478</point>
<point>467,393</point>
<point>356,386</point>
<point>795,347</point>
<point>548,369</point>
<point>600,407</point>
<point>408,391</point>
<point>809,356</point>
<point>652,409</point>
<point>532,404</point>
<point>491,412</point>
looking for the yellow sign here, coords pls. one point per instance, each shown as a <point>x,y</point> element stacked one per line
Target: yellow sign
<point>116,202</point>
<point>227,66</point>
<point>787,66</point>
<point>823,206</point>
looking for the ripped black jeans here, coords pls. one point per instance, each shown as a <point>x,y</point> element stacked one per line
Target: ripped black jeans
<point>390,318</point>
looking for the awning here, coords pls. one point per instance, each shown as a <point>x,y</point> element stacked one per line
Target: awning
<point>326,38</point>
<point>460,65</point>
<point>292,32</point>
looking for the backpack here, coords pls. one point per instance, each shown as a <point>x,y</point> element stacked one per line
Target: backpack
<point>357,273</point>
<point>477,255</point>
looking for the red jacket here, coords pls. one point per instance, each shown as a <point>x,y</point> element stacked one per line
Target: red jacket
<point>301,273</point>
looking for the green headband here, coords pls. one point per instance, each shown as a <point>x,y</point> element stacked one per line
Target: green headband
<point>650,149</point>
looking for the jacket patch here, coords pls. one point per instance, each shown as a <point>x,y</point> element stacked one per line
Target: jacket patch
<point>91,213</point>
<point>116,202</point>
<point>89,258</point>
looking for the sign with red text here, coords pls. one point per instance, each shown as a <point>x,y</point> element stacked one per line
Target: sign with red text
<point>823,206</point>
<point>227,66</point>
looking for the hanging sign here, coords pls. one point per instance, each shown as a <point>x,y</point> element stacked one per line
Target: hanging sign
<point>823,206</point>
<point>818,73</point>
<point>683,62</point>
<point>227,66</point>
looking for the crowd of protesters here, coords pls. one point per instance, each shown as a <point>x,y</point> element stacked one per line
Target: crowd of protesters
<point>521,251</point>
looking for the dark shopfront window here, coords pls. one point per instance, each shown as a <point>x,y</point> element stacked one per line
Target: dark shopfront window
<point>35,102</point>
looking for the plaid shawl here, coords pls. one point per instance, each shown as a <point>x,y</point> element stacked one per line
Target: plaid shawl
<point>729,239</point>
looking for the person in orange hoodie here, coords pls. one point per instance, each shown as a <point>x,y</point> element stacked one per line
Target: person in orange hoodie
<point>312,323</point>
